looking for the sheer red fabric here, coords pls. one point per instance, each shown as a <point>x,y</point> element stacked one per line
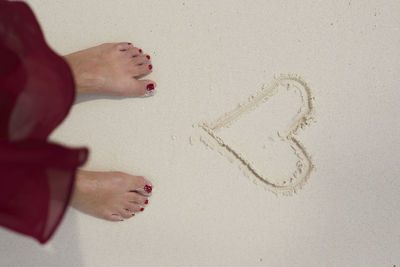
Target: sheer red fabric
<point>36,93</point>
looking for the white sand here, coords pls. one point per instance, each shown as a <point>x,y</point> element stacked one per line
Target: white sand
<point>259,134</point>
<point>208,56</point>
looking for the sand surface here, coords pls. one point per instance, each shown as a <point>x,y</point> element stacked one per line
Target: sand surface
<point>209,57</point>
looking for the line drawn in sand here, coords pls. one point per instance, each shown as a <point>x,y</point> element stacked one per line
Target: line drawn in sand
<point>212,135</point>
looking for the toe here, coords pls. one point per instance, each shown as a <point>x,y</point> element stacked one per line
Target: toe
<point>141,185</point>
<point>134,52</point>
<point>133,207</point>
<point>123,46</point>
<point>142,69</point>
<point>149,86</point>
<point>139,60</point>
<point>136,198</point>
<point>115,217</point>
<point>141,88</point>
<point>125,213</point>
<point>137,182</point>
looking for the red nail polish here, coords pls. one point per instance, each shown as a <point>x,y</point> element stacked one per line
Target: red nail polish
<point>148,57</point>
<point>142,209</point>
<point>150,67</point>
<point>140,51</point>
<point>149,87</point>
<point>148,188</point>
<point>129,43</point>
<point>146,202</point>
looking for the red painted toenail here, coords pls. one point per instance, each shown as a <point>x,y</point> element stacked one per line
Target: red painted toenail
<point>142,209</point>
<point>148,57</point>
<point>146,202</point>
<point>148,188</point>
<point>129,43</point>
<point>140,51</point>
<point>149,87</point>
<point>150,67</point>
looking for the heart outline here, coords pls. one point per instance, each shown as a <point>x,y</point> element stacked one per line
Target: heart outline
<point>210,138</point>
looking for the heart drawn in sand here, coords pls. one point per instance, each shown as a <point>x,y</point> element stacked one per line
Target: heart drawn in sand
<point>272,155</point>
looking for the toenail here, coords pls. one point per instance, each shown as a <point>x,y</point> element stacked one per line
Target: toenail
<point>140,51</point>
<point>142,209</point>
<point>150,67</point>
<point>146,202</point>
<point>148,57</point>
<point>148,188</point>
<point>149,87</point>
<point>129,43</point>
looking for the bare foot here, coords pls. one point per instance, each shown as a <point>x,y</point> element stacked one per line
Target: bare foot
<point>110,195</point>
<point>112,68</point>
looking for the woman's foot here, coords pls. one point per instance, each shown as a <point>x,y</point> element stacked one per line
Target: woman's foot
<point>112,68</point>
<point>110,195</point>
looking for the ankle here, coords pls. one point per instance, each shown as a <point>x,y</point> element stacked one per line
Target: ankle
<point>84,83</point>
<point>81,188</point>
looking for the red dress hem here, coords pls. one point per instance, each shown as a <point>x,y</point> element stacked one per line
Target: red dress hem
<point>37,90</point>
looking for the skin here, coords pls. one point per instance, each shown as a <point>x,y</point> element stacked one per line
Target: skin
<point>112,196</point>
<point>111,68</point>
<point>114,69</point>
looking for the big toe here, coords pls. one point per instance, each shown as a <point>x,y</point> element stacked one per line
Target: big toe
<point>142,88</point>
<point>141,185</point>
